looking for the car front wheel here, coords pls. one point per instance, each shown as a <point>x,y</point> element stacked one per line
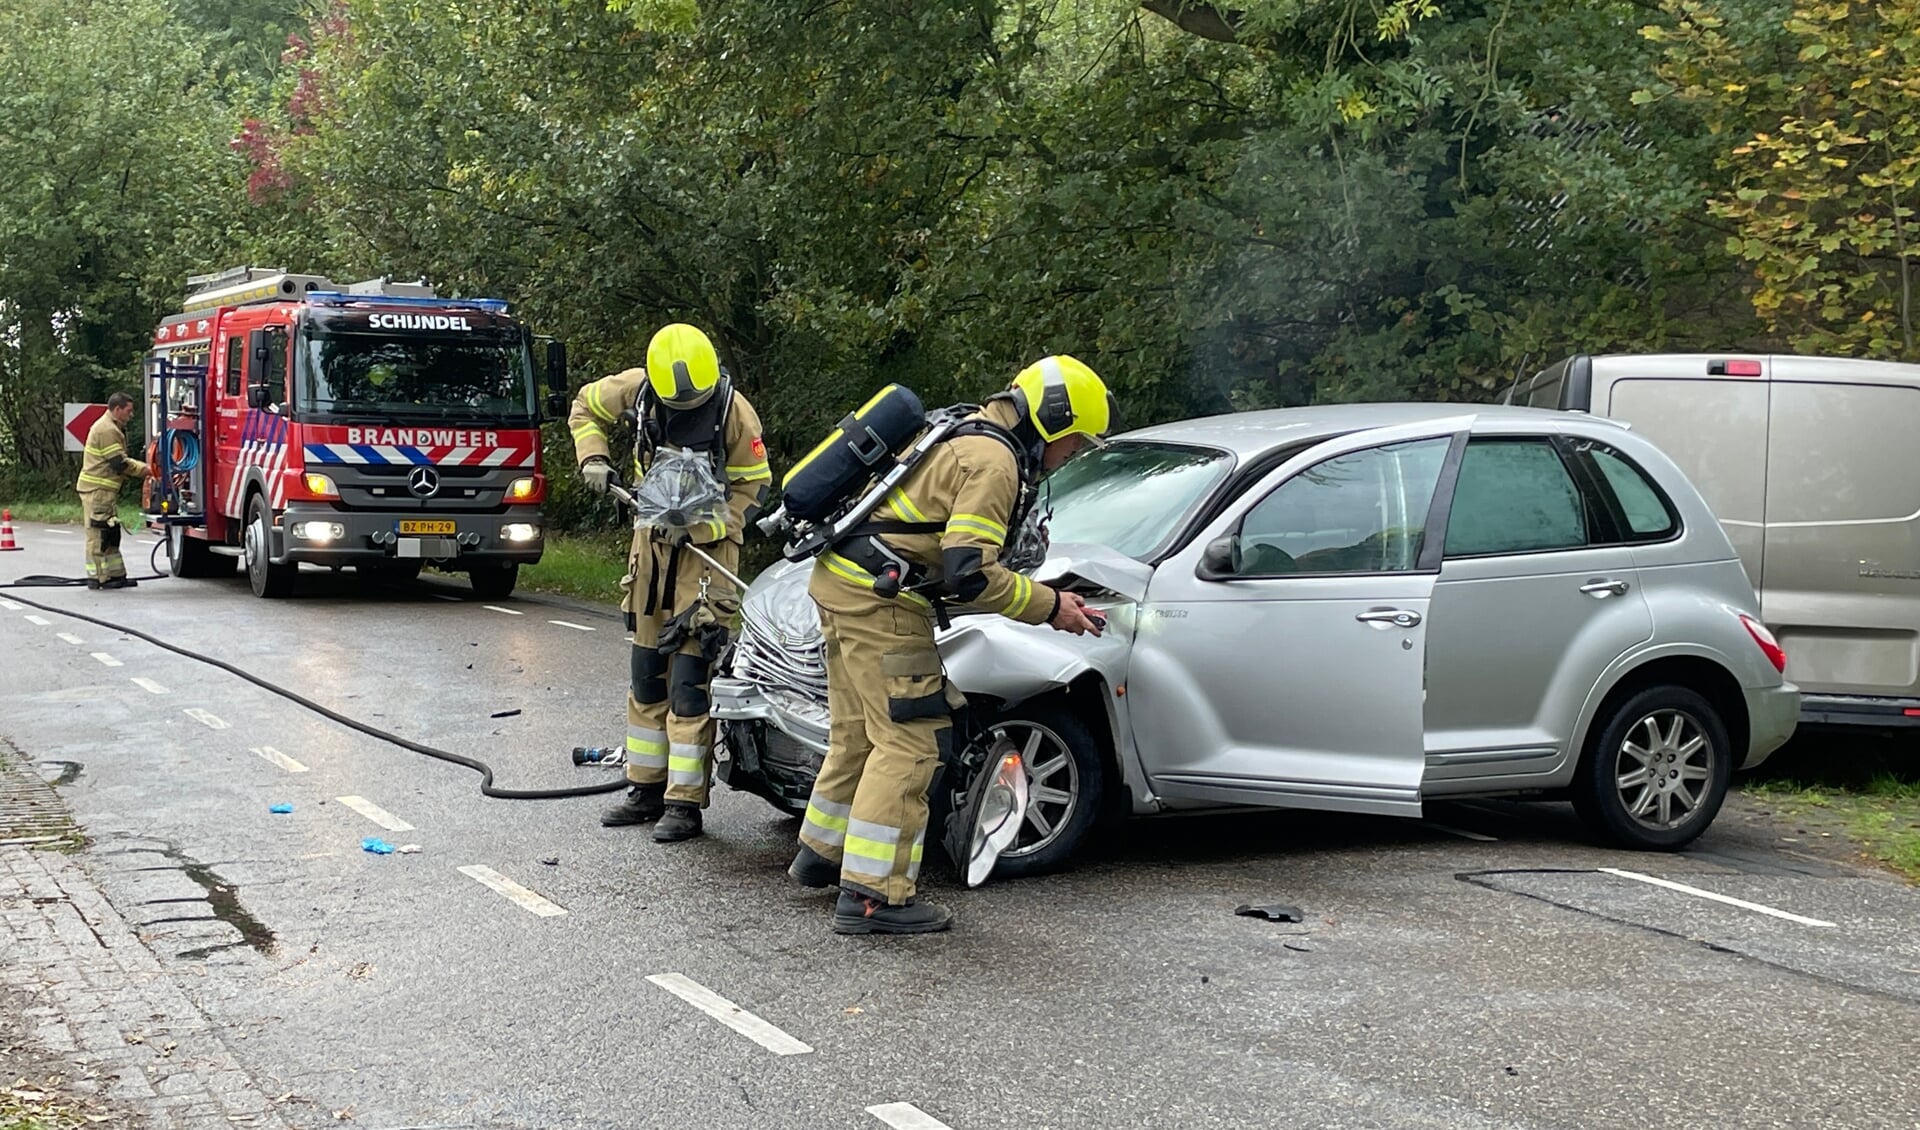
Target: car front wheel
<point>1066,787</point>
<point>1657,771</point>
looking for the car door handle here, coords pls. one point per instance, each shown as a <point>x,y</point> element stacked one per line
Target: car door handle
<point>1600,588</point>
<point>1389,618</point>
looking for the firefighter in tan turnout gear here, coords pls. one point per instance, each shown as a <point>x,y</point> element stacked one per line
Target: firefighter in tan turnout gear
<point>103,467</point>
<point>866,822</point>
<point>688,423</point>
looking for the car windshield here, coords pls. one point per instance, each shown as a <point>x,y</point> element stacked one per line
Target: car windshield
<point>1131,496</point>
<point>416,376</point>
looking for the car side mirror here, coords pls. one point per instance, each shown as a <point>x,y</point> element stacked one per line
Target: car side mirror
<point>259,396</point>
<point>1221,558</point>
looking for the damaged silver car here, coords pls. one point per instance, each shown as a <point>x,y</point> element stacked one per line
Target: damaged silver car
<point>1358,608</point>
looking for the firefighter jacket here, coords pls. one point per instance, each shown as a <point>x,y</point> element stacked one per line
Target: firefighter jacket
<point>968,486</point>
<point>106,463</point>
<point>743,462</point>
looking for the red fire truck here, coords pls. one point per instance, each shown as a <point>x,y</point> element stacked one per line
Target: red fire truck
<point>374,425</point>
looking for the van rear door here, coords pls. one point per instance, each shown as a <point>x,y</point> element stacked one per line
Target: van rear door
<point>1712,425</point>
<point>1843,532</point>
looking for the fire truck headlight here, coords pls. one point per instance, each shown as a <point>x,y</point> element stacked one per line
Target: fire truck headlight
<point>320,485</point>
<point>521,490</point>
<point>319,531</point>
<point>519,531</point>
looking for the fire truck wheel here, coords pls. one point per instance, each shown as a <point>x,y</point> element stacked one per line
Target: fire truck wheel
<point>494,582</point>
<point>266,578</point>
<point>191,557</point>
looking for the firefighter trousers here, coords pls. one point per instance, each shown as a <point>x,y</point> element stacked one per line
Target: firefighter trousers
<point>672,593</point>
<point>892,724</point>
<point>102,515</point>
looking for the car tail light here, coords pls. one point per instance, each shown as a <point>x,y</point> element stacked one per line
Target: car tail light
<point>1776,654</point>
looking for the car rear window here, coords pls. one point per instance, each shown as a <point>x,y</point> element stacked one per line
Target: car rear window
<point>1642,506</point>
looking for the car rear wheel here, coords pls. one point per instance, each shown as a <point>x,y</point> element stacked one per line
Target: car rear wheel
<point>1066,787</point>
<point>1657,771</point>
<point>265,578</point>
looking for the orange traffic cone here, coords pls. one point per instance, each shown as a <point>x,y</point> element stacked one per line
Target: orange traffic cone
<point>6,531</point>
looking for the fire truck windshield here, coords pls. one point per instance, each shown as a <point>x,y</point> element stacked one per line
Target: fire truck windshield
<point>415,375</point>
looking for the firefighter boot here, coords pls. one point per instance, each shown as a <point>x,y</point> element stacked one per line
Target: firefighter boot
<point>682,822</point>
<point>811,869</point>
<point>856,913</point>
<point>643,805</point>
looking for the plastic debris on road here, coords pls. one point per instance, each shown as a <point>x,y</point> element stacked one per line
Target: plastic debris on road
<point>282,809</point>
<point>503,714</point>
<point>1272,912</point>
<point>408,849</point>
<point>376,845</point>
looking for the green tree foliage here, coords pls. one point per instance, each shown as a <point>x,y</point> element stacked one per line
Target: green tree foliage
<point>1819,124</point>
<point>116,181</point>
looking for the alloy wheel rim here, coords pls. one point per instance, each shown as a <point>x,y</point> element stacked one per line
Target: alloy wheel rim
<point>1053,785</point>
<point>1663,769</point>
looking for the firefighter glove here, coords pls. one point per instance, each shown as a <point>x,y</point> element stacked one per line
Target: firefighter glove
<point>597,474</point>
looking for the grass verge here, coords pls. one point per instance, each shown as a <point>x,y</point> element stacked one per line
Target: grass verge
<point>587,566</point>
<point>1881,815</point>
<point>57,512</point>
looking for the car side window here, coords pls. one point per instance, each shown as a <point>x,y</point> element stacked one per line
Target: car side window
<point>1363,512</point>
<point>1642,507</point>
<point>236,362</point>
<point>1514,496</point>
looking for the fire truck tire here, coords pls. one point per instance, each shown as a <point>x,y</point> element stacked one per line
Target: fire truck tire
<point>494,582</point>
<point>267,579</point>
<point>191,557</point>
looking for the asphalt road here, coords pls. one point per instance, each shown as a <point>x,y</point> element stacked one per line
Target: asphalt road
<point>1478,969</point>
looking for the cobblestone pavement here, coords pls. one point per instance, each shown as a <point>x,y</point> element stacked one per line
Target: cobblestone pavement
<point>95,996</point>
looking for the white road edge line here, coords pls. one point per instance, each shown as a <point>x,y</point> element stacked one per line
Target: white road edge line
<point>40,620</point>
<point>497,608</point>
<point>280,759</point>
<point>730,1014</point>
<point>516,893</point>
<point>375,813</point>
<point>571,624</point>
<point>109,661</point>
<point>1698,893</point>
<point>1461,832</point>
<point>206,718</point>
<point>71,638</point>
<point>148,685</point>
<point>906,1116</point>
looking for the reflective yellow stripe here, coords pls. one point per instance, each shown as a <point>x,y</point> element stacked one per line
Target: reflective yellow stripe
<point>642,745</point>
<point>758,470</point>
<point>590,428</point>
<point>903,506</point>
<point>1022,595</point>
<point>86,478</point>
<point>848,571</point>
<point>973,524</point>
<point>686,764</point>
<point>872,850</point>
<point>594,404</point>
<point>825,819</point>
<point>107,450</point>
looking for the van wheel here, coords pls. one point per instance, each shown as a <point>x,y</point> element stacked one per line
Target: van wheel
<point>494,582</point>
<point>191,557</point>
<point>266,579</point>
<point>1066,787</point>
<point>1656,773</point>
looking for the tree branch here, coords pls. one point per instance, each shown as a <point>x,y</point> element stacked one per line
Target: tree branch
<point>1222,25</point>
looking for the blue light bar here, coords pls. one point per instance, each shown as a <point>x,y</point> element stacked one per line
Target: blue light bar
<point>336,298</point>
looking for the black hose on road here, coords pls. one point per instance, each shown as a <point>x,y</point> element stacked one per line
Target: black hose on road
<point>486,771</point>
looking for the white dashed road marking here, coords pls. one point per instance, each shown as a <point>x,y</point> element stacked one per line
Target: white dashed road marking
<point>906,1116</point>
<point>730,1014</point>
<point>497,608</point>
<point>1461,832</point>
<point>1698,893</point>
<point>280,759</point>
<point>523,897</point>
<point>206,718</point>
<point>570,624</point>
<point>71,638</point>
<point>109,661</point>
<point>375,813</point>
<point>148,685</point>
<point>40,620</point>
<point>444,596</point>
<point>10,606</point>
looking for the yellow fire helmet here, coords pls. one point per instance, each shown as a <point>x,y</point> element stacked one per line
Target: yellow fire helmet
<point>682,366</point>
<point>1065,397</point>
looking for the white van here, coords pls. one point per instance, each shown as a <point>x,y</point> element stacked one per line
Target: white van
<point>1813,466</point>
